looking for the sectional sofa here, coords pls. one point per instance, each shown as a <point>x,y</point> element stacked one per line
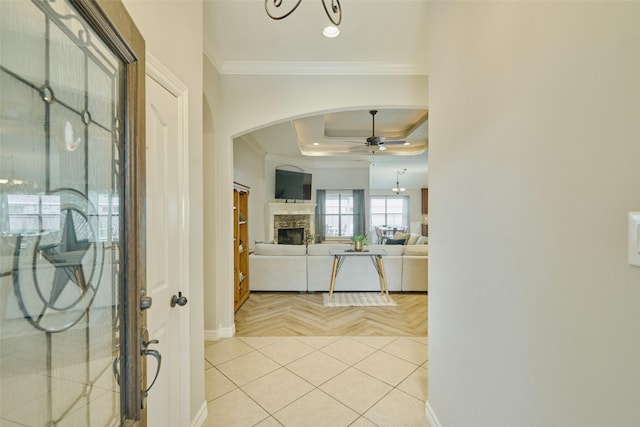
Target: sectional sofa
<point>274,267</point>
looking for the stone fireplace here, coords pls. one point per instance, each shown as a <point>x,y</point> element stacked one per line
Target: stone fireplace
<point>299,217</point>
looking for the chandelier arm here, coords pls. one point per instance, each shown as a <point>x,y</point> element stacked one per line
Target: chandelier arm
<point>277,4</point>
<point>336,10</point>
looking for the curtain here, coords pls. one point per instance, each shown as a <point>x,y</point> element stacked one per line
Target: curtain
<point>359,213</point>
<point>321,196</point>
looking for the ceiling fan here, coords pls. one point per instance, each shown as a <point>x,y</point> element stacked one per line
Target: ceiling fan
<point>377,141</point>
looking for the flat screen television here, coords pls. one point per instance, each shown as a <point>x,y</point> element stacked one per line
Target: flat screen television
<point>293,185</point>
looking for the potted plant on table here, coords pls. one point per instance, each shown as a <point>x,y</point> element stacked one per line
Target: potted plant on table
<point>310,238</point>
<point>359,240</point>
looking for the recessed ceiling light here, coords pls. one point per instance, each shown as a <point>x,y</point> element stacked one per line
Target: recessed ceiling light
<point>316,143</point>
<point>407,143</point>
<point>331,31</point>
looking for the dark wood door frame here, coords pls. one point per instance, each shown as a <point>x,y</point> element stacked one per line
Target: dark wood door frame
<point>112,22</point>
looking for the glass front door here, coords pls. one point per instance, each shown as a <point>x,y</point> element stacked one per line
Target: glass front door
<point>63,192</point>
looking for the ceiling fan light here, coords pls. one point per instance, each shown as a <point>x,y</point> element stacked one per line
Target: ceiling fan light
<point>331,31</point>
<point>381,147</point>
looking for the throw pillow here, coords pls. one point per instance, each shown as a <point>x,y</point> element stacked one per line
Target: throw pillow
<point>394,242</point>
<point>422,240</point>
<point>400,235</point>
<point>413,238</point>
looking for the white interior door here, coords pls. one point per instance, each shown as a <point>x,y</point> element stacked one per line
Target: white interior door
<point>167,245</point>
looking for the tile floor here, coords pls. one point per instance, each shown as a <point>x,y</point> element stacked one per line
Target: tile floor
<point>316,381</point>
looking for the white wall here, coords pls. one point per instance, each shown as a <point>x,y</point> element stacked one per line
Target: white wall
<point>242,103</point>
<point>249,169</point>
<point>534,313</point>
<point>180,50</point>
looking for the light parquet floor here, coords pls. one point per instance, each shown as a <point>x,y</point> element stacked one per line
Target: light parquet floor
<point>303,314</point>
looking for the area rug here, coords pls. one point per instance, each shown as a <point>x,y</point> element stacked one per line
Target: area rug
<point>357,299</point>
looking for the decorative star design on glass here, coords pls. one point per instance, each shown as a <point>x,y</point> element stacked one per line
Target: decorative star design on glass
<point>67,258</point>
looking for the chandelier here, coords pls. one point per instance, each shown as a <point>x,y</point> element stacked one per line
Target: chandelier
<point>331,7</point>
<point>397,189</point>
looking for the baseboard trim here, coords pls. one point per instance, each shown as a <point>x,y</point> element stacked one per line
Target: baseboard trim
<point>221,332</point>
<point>227,332</point>
<point>211,335</point>
<point>201,416</point>
<point>431,416</point>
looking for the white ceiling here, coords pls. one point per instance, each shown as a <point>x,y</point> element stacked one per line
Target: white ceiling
<point>377,37</point>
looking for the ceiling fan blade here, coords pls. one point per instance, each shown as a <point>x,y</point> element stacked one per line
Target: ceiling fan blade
<point>363,148</point>
<point>395,142</point>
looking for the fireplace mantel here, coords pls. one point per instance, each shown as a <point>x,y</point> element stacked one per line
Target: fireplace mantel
<point>275,208</point>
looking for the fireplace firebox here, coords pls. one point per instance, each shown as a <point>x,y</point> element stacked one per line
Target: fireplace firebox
<point>291,236</point>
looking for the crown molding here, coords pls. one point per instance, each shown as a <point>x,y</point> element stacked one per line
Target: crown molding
<point>321,68</point>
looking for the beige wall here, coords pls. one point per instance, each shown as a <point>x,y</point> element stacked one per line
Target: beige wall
<point>534,161</point>
<point>173,34</point>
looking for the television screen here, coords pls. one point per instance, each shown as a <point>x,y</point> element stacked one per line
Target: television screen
<point>293,185</point>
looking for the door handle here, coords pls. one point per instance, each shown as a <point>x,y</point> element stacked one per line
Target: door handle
<point>145,351</point>
<point>158,356</point>
<point>179,299</point>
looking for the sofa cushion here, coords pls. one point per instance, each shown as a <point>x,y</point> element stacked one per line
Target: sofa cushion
<point>392,250</point>
<point>324,248</point>
<point>422,240</point>
<point>270,242</point>
<point>416,250</point>
<point>269,249</point>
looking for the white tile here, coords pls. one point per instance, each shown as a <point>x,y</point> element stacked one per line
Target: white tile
<point>19,390</point>
<point>356,389</point>
<point>409,350</point>
<point>225,350</point>
<point>416,384</point>
<point>398,409</point>
<point>316,409</point>
<point>7,423</point>
<point>259,342</point>
<point>216,384</point>
<point>348,350</point>
<point>269,422</point>
<point>102,411</point>
<point>421,340</point>
<point>385,367</point>
<point>317,367</point>
<point>317,342</point>
<point>362,422</point>
<point>234,409</point>
<point>247,368</point>
<point>286,351</point>
<point>65,397</point>
<point>375,342</point>
<point>277,389</point>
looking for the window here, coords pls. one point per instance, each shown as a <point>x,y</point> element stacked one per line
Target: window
<point>339,214</point>
<point>32,213</point>
<point>392,211</point>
